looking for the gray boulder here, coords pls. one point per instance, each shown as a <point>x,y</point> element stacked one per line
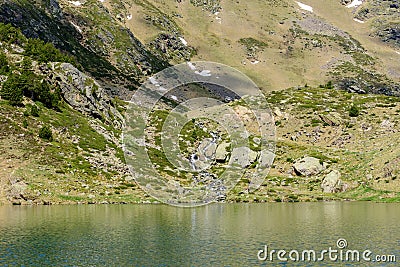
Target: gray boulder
<point>221,154</point>
<point>266,159</point>
<point>332,183</point>
<point>243,156</point>
<point>308,166</point>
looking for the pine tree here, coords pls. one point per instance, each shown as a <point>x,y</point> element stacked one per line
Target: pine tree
<point>46,133</point>
<point>4,65</point>
<point>12,91</point>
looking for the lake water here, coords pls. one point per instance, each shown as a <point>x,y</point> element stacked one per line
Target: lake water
<point>214,235</point>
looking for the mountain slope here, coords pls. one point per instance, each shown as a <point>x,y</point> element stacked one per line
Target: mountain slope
<point>288,45</point>
<point>298,53</point>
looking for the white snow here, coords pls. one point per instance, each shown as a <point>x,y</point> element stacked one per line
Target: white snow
<point>102,1</point>
<point>129,17</point>
<point>397,52</point>
<point>162,88</point>
<point>305,7</point>
<point>75,3</point>
<point>183,41</point>
<point>204,73</point>
<point>191,66</point>
<point>355,3</point>
<point>77,27</point>
<point>174,98</point>
<point>154,81</point>
<point>359,21</point>
<point>255,62</point>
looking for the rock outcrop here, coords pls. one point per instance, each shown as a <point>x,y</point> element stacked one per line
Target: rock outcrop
<point>82,92</point>
<point>331,119</point>
<point>106,50</point>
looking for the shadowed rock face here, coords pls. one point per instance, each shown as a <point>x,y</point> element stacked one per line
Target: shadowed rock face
<point>68,31</point>
<point>83,93</point>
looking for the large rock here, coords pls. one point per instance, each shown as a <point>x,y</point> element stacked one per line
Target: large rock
<point>222,153</point>
<point>308,166</point>
<point>266,159</point>
<point>16,191</point>
<point>332,183</point>
<point>243,156</point>
<point>332,119</point>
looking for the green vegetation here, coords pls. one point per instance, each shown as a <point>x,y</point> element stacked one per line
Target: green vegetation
<point>25,123</point>
<point>4,65</point>
<point>31,85</point>
<point>34,111</point>
<point>10,34</point>
<point>79,161</point>
<point>45,52</point>
<point>46,133</point>
<point>354,111</point>
<point>12,91</point>
<point>23,81</point>
<point>252,45</point>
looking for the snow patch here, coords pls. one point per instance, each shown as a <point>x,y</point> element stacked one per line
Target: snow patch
<point>191,66</point>
<point>75,3</point>
<point>204,73</point>
<point>355,3</point>
<point>102,1</point>
<point>183,41</point>
<point>255,62</point>
<point>397,52</point>
<point>129,17</point>
<point>154,81</point>
<point>77,27</point>
<point>305,7</point>
<point>359,21</point>
<point>174,98</point>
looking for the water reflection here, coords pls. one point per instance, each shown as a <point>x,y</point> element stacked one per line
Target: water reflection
<point>214,235</point>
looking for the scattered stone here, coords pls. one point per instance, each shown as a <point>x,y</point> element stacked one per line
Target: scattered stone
<point>386,124</point>
<point>277,112</point>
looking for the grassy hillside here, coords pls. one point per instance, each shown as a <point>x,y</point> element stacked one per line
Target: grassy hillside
<point>331,77</point>
<point>50,152</point>
<point>290,46</point>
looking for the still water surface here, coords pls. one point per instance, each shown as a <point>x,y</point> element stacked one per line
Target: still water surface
<point>214,235</point>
